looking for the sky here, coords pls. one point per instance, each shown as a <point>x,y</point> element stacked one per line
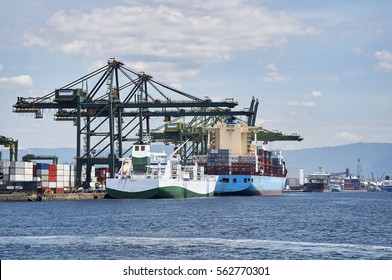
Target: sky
<point>320,69</point>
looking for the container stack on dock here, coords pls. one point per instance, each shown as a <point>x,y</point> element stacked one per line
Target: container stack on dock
<point>18,175</point>
<point>47,174</point>
<point>30,176</point>
<point>92,175</point>
<point>102,173</point>
<point>4,172</point>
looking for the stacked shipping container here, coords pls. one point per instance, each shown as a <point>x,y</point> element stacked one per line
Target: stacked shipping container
<point>221,162</point>
<point>17,175</point>
<point>50,177</point>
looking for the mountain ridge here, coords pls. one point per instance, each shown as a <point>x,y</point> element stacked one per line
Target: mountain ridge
<point>370,157</point>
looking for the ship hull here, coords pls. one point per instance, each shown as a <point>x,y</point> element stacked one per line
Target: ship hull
<point>136,186</point>
<point>144,188</point>
<point>386,188</point>
<point>316,187</point>
<point>173,188</point>
<point>249,185</point>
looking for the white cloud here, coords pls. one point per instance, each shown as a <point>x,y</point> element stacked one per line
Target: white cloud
<point>316,93</point>
<point>188,33</point>
<point>23,80</point>
<point>29,39</point>
<point>274,77</point>
<point>346,136</point>
<point>357,51</point>
<point>384,59</point>
<point>302,104</point>
<point>272,67</point>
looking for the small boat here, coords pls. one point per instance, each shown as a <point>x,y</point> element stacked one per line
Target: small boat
<point>336,188</point>
<point>335,183</point>
<point>168,180</point>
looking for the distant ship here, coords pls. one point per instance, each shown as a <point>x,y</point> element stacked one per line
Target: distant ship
<point>163,179</point>
<point>386,185</point>
<point>352,183</point>
<point>318,182</point>
<point>243,167</point>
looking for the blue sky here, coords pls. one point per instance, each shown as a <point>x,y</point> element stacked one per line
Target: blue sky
<point>322,69</point>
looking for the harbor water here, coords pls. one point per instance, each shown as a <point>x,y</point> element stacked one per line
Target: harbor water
<point>294,226</point>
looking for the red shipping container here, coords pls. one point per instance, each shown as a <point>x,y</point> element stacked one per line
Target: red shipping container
<point>52,178</point>
<point>34,170</point>
<point>59,190</point>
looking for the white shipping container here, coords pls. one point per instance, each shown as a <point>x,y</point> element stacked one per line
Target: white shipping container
<point>60,185</point>
<point>17,171</point>
<point>42,172</point>
<point>21,164</point>
<point>45,184</point>
<point>6,170</point>
<point>44,178</point>
<point>17,164</point>
<point>52,184</point>
<point>60,167</point>
<point>29,171</point>
<point>17,178</point>
<point>60,172</point>
<point>5,163</point>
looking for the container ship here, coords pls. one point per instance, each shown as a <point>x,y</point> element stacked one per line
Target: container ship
<point>244,168</point>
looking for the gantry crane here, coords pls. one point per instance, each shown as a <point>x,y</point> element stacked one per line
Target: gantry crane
<point>12,145</point>
<point>194,130</point>
<point>114,106</point>
<point>31,157</point>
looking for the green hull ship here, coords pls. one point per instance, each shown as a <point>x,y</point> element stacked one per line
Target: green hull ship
<point>162,179</point>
